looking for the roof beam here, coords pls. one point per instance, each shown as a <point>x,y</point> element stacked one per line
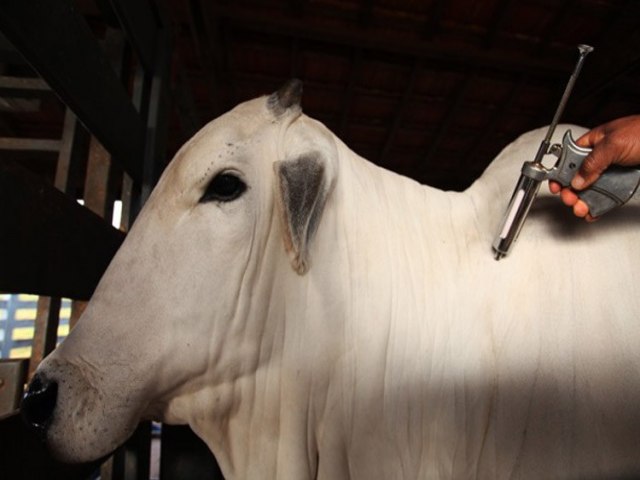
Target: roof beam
<point>8,53</point>
<point>57,42</point>
<point>366,38</point>
<point>347,97</point>
<point>190,121</point>
<point>619,38</point>
<point>297,7</point>
<point>456,103</point>
<point>56,247</point>
<point>607,78</point>
<point>471,155</point>
<point>554,25</point>
<point>432,28</point>
<point>365,13</point>
<point>29,144</point>
<point>139,21</point>
<point>210,34</point>
<point>496,22</point>
<point>399,113</point>
<point>22,87</point>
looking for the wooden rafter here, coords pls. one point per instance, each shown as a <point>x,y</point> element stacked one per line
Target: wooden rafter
<point>498,18</point>
<point>60,46</point>
<point>399,112</point>
<point>356,65</point>
<point>432,27</point>
<point>454,108</point>
<point>358,37</point>
<point>471,155</point>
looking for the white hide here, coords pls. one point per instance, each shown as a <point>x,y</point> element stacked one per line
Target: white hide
<point>405,350</point>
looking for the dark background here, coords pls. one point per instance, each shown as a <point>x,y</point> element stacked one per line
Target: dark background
<point>432,89</point>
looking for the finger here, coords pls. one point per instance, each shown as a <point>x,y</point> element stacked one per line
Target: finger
<point>594,164</point>
<point>580,209</point>
<point>569,197</point>
<point>554,187</point>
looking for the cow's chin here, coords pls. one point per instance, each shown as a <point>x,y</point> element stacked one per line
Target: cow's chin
<point>69,445</point>
<point>88,422</point>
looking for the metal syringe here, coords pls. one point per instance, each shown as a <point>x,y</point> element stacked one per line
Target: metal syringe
<point>532,175</point>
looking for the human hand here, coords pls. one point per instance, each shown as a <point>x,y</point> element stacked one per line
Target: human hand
<point>616,142</point>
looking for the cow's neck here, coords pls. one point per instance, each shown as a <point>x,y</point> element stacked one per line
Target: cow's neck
<point>393,224</point>
<point>367,253</point>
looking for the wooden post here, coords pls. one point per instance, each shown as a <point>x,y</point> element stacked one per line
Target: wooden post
<point>48,311</point>
<point>96,185</point>
<point>46,330</point>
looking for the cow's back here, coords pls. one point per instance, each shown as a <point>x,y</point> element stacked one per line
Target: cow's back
<point>565,331</point>
<point>468,366</point>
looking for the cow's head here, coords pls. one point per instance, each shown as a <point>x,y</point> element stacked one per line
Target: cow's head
<point>184,304</point>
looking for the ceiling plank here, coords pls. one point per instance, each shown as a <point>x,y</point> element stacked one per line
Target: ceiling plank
<point>29,144</point>
<point>398,44</point>
<point>59,45</point>
<point>347,97</point>
<point>432,27</point>
<point>21,87</point>
<point>205,54</point>
<point>620,40</point>
<point>452,112</point>
<point>497,21</point>
<point>547,35</point>
<point>297,7</point>
<point>185,107</point>
<point>605,79</point>
<point>470,159</point>
<point>138,20</point>
<point>399,113</point>
<point>217,43</point>
<point>365,14</point>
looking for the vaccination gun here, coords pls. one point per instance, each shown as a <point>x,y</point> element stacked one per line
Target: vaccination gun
<point>613,188</point>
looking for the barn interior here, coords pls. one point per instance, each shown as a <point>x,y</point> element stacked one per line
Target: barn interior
<point>96,96</point>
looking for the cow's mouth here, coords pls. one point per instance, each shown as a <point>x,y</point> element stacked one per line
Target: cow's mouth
<point>71,413</point>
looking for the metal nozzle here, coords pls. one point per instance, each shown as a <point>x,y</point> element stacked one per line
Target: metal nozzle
<point>585,49</point>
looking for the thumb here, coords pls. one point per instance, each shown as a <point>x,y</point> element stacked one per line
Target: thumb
<point>594,164</point>
<point>591,138</point>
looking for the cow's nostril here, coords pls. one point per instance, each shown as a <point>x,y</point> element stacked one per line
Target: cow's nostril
<point>39,402</point>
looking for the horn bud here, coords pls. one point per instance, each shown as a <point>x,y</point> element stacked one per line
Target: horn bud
<point>288,96</point>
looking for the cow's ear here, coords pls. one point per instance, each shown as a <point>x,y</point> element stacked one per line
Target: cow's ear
<point>302,190</point>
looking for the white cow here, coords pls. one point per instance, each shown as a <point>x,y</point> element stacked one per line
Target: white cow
<point>311,315</point>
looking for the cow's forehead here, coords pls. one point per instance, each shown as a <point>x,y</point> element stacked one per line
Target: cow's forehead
<point>247,139</point>
<point>221,140</point>
<point>250,128</point>
<point>237,125</point>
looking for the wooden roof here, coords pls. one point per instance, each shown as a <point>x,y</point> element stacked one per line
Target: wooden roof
<point>432,89</point>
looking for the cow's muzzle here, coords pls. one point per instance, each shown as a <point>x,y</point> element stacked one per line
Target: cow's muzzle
<point>39,403</point>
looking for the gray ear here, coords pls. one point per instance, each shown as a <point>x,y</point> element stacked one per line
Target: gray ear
<point>302,190</point>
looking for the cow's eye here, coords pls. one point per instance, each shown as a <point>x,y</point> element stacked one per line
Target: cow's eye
<point>224,187</point>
